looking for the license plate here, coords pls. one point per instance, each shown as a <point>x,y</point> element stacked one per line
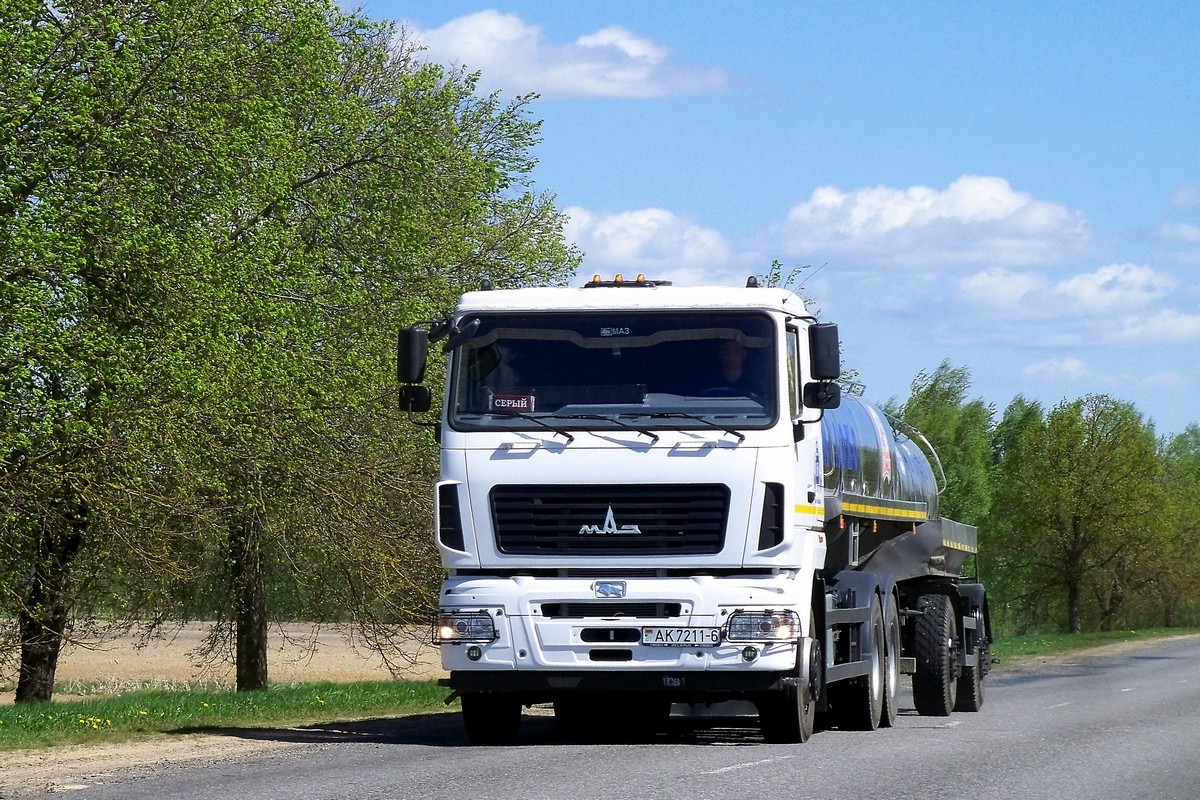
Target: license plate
<point>681,637</point>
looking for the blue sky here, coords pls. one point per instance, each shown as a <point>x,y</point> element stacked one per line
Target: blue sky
<point>1012,187</point>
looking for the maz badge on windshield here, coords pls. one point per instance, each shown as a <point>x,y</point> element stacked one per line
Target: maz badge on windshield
<point>609,527</point>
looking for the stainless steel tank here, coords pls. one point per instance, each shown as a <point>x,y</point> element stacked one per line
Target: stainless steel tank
<point>871,469</point>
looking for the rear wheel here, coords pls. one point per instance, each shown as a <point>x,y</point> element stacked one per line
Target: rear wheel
<point>891,667</point>
<point>491,717</point>
<point>969,695</point>
<point>857,703</point>
<point>933,641</point>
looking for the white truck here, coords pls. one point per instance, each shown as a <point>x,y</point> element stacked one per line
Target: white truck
<point>655,495</point>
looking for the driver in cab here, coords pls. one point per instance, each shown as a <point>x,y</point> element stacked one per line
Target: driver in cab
<point>734,377</point>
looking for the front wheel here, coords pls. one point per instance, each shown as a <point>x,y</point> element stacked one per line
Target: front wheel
<point>789,717</point>
<point>491,717</point>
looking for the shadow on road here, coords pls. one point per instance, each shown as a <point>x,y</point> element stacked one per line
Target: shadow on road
<point>538,728</point>
<point>446,730</point>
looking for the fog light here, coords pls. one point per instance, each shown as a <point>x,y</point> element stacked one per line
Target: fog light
<point>463,626</point>
<point>763,626</point>
<point>474,652</point>
<point>749,653</point>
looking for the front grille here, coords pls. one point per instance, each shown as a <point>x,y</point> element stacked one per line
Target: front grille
<point>636,520</point>
<point>602,610</point>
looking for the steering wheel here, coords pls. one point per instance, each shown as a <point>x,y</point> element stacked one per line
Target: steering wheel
<point>721,391</point>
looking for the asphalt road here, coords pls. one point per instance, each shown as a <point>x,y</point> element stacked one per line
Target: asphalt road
<point>1119,726</point>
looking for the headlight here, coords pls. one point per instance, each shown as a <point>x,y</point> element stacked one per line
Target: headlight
<point>763,626</point>
<point>463,626</point>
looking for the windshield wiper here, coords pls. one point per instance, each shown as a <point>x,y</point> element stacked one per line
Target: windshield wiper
<point>538,421</point>
<point>741,437</point>
<point>602,418</point>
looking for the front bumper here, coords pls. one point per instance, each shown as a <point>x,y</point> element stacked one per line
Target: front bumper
<point>552,632</point>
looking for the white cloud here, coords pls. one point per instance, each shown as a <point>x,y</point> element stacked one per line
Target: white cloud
<point>975,220</point>
<point>632,46</point>
<point>1186,197</point>
<point>1085,301</point>
<point>1183,232</point>
<point>1114,287</point>
<point>1068,368</point>
<point>650,240</point>
<point>1166,326</point>
<point>1001,289</point>
<point>612,62</point>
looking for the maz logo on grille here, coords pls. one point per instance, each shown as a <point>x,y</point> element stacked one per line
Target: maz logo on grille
<point>609,526</point>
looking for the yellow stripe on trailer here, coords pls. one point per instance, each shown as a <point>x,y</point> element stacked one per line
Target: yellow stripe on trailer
<point>882,512</point>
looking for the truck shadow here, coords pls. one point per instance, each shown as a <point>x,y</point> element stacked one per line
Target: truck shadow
<point>538,729</point>
<point>446,730</point>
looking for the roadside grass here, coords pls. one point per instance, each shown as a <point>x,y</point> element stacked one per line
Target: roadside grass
<point>1042,644</point>
<point>142,712</point>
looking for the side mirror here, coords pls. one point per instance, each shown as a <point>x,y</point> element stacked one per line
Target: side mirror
<point>822,395</point>
<point>412,348</point>
<point>825,353</point>
<point>415,399</point>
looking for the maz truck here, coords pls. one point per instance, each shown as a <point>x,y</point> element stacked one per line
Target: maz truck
<point>654,495</point>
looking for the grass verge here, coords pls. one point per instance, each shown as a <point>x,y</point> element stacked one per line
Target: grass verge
<point>134,714</point>
<point>1043,644</point>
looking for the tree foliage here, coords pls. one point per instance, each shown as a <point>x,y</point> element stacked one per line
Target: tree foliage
<point>959,430</point>
<point>213,216</point>
<point>1086,521</point>
<point>1079,509</point>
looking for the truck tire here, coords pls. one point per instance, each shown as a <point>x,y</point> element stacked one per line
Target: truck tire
<point>491,717</point>
<point>857,704</point>
<point>969,694</point>
<point>789,717</point>
<point>891,669</point>
<point>933,641</point>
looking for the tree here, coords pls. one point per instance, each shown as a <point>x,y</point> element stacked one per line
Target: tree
<point>1176,562</point>
<point>960,432</point>
<point>212,219</point>
<point>409,199</point>
<point>123,126</point>
<point>1004,565</point>
<point>1075,498</point>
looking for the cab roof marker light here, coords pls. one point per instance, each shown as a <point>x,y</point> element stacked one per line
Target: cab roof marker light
<point>619,281</point>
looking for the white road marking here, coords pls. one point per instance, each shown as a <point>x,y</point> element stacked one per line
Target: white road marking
<point>746,765</point>
<point>1059,705</point>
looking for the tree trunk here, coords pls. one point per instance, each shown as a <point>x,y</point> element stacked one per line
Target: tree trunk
<point>47,602</point>
<point>1074,620</point>
<point>41,642</point>
<point>250,602</point>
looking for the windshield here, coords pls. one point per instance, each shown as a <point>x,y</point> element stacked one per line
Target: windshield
<point>612,370</point>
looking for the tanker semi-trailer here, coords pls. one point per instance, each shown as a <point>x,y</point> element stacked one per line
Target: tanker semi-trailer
<point>654,495</point>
